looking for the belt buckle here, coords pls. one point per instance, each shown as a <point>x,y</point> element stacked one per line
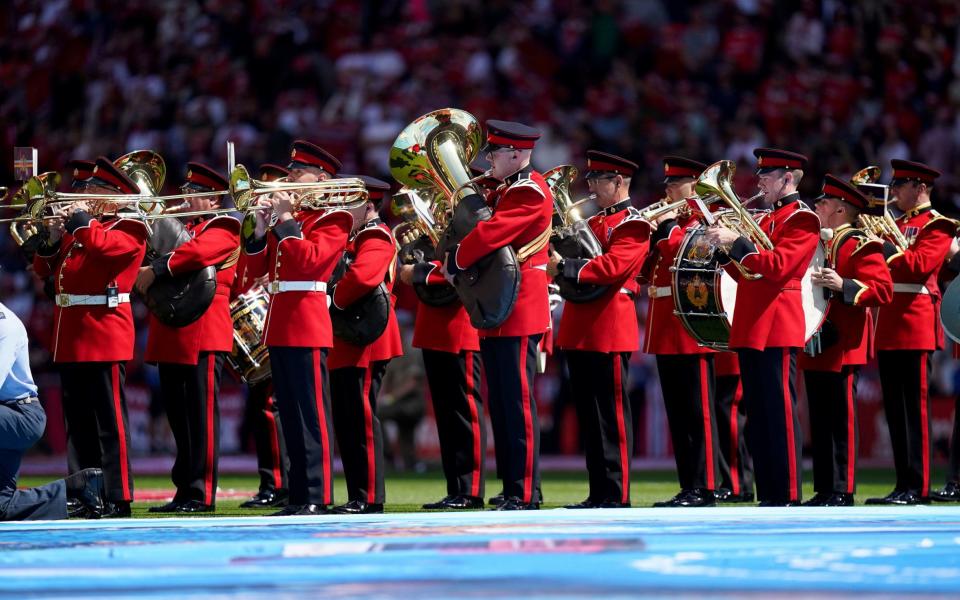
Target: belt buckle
<point>63,300</point>
<point>273,287</point>
<point>653,292</point>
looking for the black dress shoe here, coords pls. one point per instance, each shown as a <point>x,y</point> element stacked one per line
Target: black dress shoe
<point>689,499</point>
<point>85,487</point>
<point>313,509</point>
<point>911,499</point>
<point>722,494</point>
<point>588,503</point>
<point>169,507</point>
<point>439,504</point>
<point>514,503</point>
<point>116,510</point>
<point>838,499</point>
<point>265,499</point>
<point>891,498</point>
<point>949,493</point>
<point>773,503</point>
<point>288,510</point>
<point>612,504</point>
<point>496,500</point>
<point>817,500</point>
<point>463,502</point>
<point>358,507</point>
<point>741,498</point>
<point>195,506</point>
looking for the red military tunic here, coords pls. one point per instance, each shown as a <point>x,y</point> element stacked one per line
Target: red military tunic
<point>769,310</point>
<point>911,321</point>
<point>95,256</point>
<point>866,283</point>
<point>523,211</point>
<point>375,251</point>
<point>665,333</point>
<point>304,249</point>
<point>443,328</point>
<point>216,242</point>
<point>609,323</point>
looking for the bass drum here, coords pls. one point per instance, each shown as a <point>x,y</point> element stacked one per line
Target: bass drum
<point>950,310</point>
<point>249,357</point>
<point>705,294</point>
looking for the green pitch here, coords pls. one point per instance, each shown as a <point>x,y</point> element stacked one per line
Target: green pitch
<point>406,492</point>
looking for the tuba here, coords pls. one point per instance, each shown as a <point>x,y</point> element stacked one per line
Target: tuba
<point>418,235</point>
<point>182,299</point>
<point>435,151</point>
<point>571,236</point>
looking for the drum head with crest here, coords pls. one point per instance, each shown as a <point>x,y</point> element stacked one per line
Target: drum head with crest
<point>814,300</point>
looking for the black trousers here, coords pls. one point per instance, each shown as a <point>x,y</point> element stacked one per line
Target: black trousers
<point>831,397</point>
<point>359,434</point>
<point>262,419</point>
<point>98,431</point>
<point>510,365</point>
<point>904,377</point>
<point>736,466</point>
<point>454,381</point>
<point>190,398</point>
<point>599,384</point>
<point>688,395</point>
<point>21,426</point>
<point>302,390</point>
<point>773,426</point>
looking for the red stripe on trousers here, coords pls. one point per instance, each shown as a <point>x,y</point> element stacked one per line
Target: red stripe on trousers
<point>121,432</point>
<point>851,434</point>
<point>321,420</point>
<point>705,409</point>
<point>274,441</point>
<point>474,426</point>
<point>371,452</point>
<point>527,423</point>
<point>621,428</point>
<point>924,427</point>
<point>208,470</point>
<point>788,416</point>
<point>735,438</point>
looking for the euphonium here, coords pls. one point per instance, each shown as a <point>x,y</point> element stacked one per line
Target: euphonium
<point>717,180</point>
<point>876,219</point>
<point>572,236</point>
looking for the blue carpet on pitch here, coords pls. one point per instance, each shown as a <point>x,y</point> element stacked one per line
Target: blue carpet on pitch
<point>566,553</point>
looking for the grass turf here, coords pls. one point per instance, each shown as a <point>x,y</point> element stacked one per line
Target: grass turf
<point>406,492</point>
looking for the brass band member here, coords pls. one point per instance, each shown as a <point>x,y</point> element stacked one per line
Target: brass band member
<point>768,324</point>
<point>856,278</point>
<point>357,371</point>
<point>908,329</point>
<point>261,416</point>
<point>190,358</point>
<point>522,214</point>
<point>686,369</point>
<point>94,258</point>
<point>599,336</point>
<point>299,254</point>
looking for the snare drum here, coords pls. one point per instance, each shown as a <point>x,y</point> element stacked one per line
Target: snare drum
<point>249,357</point>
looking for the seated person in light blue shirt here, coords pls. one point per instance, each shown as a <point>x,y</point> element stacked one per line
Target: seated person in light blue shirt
<point>22,421</point>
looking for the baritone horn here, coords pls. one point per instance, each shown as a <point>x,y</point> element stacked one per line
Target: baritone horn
<point>717,180</point>
<point>877,219</point>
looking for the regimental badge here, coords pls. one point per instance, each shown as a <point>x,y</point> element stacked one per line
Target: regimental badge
<point>697,292</point>
<point>700,252</point>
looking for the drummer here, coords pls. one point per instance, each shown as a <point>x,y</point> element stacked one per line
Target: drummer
<point>769,327</point>
<point>685,368</point>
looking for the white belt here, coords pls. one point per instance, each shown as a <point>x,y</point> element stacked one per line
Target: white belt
<point>276,287</point>
<point>910,288</point>
<point>541,267</point>
<point>627,291</point>
<point>659,291</point>
<point>64,300</point>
